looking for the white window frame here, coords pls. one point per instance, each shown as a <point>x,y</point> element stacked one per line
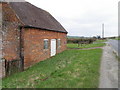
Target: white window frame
<point>44,44</point>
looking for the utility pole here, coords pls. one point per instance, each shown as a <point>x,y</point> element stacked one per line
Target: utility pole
<point>103,30</point>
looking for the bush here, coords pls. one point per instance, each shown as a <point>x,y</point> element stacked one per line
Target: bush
<point>112,37</point>
<point>81,41</point>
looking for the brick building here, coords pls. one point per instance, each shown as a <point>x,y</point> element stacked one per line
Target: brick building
<point>29,35</point>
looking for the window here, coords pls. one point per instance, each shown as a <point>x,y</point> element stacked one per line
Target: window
<point>59,42</point>
<point>45,43</point>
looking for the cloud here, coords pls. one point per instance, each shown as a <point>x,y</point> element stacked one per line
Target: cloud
<point>83,17</point>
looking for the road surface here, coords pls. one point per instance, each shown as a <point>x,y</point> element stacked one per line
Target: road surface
<point>115,45</point>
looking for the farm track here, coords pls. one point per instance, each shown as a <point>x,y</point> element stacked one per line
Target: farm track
<point>109,69</point>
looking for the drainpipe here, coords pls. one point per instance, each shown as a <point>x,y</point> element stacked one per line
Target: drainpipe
<point>21,51</point>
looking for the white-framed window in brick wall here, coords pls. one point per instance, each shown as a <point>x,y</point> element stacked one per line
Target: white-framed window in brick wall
<point>58,43</point>
<point>46,43</point>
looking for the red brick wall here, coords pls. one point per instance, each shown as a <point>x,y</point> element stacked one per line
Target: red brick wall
<point>11,33</point>
<point>33,45</point>
<point>32,39</point>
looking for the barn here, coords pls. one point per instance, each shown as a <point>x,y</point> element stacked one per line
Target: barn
<point>29,35</point>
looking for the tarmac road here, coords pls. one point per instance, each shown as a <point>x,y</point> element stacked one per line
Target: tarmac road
<point>115,45</point>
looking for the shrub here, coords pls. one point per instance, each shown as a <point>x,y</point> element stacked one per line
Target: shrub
<point>81,41</point>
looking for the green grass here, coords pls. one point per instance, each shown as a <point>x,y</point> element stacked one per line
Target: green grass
<point>117,38</point>
<point>69,69</point>
<point>100,41</point>
<point>86,45</point>
<point>118,58</point>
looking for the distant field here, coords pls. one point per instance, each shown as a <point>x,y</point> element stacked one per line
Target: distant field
<point>73,37</point>
<point>117,38</point>
<point>69,69</point>
<point>100,41</point>
<point>86,45</point>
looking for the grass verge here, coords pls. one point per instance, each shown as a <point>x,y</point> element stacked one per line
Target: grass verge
<point>117,56</point>
<point>69,69</point>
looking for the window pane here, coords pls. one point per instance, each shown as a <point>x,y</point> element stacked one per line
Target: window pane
<point>59,42</point>
<point>45,44</point>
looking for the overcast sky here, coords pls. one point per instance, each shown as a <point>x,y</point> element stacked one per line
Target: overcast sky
<point>83,17</point>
